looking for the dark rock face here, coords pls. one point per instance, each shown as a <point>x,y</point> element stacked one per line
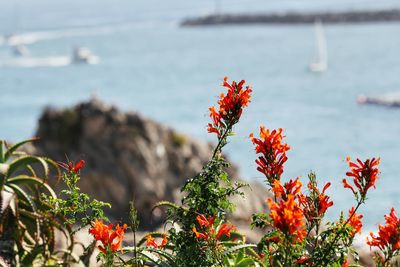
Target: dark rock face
<point>296,18</point>
<point>127,157</point>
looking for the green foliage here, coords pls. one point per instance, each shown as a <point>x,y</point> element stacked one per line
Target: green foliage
<point>25,223</point>
<point>76,206</point>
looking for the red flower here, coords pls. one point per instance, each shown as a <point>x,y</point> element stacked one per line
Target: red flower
<point>225,229</point>
<point>110,239</point>
<point>208,224</point>
<point>317,203</point>
<point>199,235</point>
<point>345,263</point>
<point>388,235</point>
<point>364,175</point>
<point>230,106</point>
<point>203,221</point>
<point>293,187</point>
<point>71,167</point>
<point>355,221</point>
<point>151,242</point>
<point>273,153</point>
<point>288,217</point>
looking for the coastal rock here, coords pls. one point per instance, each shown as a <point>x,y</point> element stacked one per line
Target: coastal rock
<point>129,157</point>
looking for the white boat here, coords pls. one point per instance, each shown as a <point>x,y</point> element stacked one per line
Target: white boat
<point>320,62</point>
<point>84,55</point>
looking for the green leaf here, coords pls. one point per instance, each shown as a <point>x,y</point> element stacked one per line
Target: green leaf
<point>245,263</point>
<point>12,149</point>
<point>1,151</point>
<point>238,247</point>
<point>25,179</point>
<point>23,162</point>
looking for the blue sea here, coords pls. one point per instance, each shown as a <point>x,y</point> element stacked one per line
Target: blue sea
<point>171,74</point>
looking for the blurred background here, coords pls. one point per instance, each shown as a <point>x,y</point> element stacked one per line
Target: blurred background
<point>141,59</point>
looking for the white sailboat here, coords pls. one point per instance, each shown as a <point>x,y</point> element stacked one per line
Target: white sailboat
<point>320,62</point>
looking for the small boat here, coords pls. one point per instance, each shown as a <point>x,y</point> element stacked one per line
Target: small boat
<point>21,50</point>
<point>320,62</point>
<point>84,55</point>
<point>388,100</point>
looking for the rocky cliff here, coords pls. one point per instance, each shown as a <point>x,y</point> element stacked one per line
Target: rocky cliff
<point>130,157</point>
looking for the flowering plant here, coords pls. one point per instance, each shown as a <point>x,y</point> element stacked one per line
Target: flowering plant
<point>198,233</point>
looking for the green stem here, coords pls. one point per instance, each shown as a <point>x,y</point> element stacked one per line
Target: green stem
<point>222,139</point>
<point>328,252</point>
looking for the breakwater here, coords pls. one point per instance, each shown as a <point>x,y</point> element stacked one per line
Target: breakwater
<point>295,18</point>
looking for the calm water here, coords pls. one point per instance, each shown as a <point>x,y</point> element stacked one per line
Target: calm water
<point>173,74</point>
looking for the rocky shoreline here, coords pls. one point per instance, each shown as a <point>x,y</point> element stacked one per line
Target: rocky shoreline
<point>295,18</point>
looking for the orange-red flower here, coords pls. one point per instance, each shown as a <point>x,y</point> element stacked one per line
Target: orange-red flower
<point>293,187</point>
<point>111,239</point>
<point>208,224</point>
<point>203,221</point>
<point>151,242</point>
<point>388,235</point>
<point>288,217</point>
<point>273,153</point>
<point>230,106</point>
<point>224,229</point>
<point>355,221</point>
<point>317,203</point>
<point>199,235</point>
<point>364,175</point>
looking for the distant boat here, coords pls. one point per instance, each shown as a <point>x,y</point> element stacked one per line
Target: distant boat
<point>84,55</point>
<point>80,55</point>
<point>320,62</point>
<point>388,100</point>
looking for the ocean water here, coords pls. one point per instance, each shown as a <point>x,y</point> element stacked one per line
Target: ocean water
<point>172,74</point>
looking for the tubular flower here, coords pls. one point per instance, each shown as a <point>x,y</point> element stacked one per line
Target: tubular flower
<point>293,187</point>
<point>355,221</point>
<point>199,235</point>
<point>230,106</point>
<point>317,203</point>
<point>388,237</point>
<point>110,239</point>
<point>273,153</point>
<point>364,175</point>
<point>203,221</point>
<point>288,217</point>
<point>71,167</point>
<point>225,229</point>
<point>208,224</point>
<point>151,242</point>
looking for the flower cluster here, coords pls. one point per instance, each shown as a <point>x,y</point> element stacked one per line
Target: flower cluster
<point>388,238</point>
<point>110,239</point>
<point>208,225</point>
<point>317,203</point>
<point>364,176</point>
<point>354,221</point>
<point>286,214</point>
<point>151,242</point>
<point>273,153</point>
<point>230,107</point>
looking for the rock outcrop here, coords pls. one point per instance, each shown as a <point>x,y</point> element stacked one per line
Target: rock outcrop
<point>129,157</point>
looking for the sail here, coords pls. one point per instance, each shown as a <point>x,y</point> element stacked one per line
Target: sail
<point>320,62</point>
